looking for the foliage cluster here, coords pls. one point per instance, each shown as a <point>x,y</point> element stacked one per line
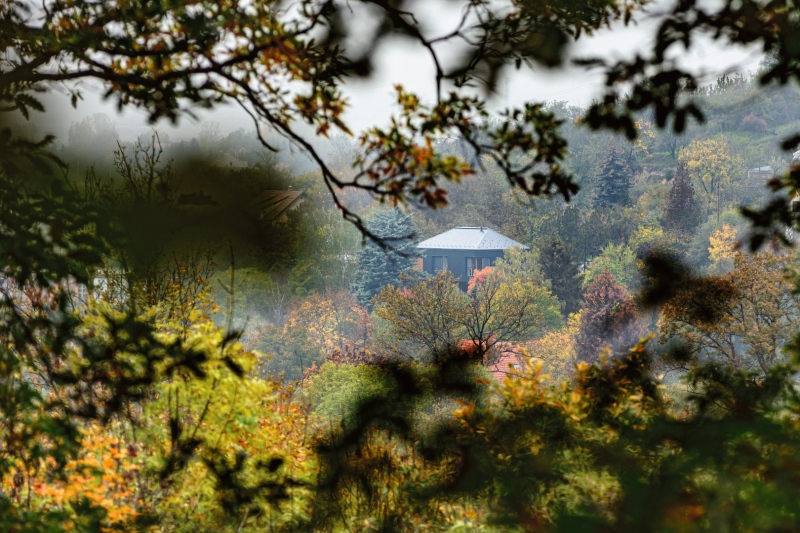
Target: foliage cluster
<point>504,304</point>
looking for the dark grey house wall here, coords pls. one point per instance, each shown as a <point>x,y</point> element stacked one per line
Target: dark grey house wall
<point>457,261</point>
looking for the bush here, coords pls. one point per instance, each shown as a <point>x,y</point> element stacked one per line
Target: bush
<point>753,123</point>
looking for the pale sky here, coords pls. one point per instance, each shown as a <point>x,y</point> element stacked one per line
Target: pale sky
<point>371,101</point>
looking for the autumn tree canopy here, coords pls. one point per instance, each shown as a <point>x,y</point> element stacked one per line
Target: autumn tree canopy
<point>743,319</point>
<point>503,304</point>
<point>429,314</point>
<point>502,307</point>
<point>714,169</point>
<point>607,320</point>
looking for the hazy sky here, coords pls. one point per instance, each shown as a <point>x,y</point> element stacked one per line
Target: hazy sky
<point>397,62</point>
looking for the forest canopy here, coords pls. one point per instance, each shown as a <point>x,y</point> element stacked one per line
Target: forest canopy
<point>168,58</point>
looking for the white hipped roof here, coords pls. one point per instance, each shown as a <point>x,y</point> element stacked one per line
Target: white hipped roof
<point>468,238</point>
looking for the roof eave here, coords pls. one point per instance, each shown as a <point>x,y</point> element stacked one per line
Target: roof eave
<point>526,248</point>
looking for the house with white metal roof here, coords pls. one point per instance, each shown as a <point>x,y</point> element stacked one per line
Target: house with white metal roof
<point>760,174</point>
<point>464,250</point>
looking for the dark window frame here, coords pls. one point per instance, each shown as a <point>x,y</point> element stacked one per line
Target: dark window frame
<point>442,263</point>
<point>478,263</point>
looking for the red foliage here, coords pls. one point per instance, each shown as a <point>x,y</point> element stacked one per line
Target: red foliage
<point>479,278</point>
<point>608,318</point>
<point>753,123</point>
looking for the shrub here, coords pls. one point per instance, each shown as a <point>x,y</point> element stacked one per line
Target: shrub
<point>753,123</point>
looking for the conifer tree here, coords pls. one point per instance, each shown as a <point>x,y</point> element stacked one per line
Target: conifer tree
<point>557,266</point>
<point>614,179</point>
<point>683,212</point>
<point>607,319</point>
<point>378,267</point>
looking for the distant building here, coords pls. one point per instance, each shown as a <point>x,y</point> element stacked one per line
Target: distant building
<point>794,207</point>
<point>464,250</point>
<point>503,359</point>
<point>753,188</point>
<point>273,206</point>
<point>760,174</point>
<point>507,362</point>
<point>79,295</point>
<point>229,161</point>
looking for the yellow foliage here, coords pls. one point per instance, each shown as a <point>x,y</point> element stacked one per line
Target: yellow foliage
<point>645,236</point>
<point>229,418</point>
<point>754,312</point>
<point>330,321</point>
<point>645,136</point>
<point>233,418</point>
<point>713,169</point>
<point>722,248</point>
<point>555,351</point>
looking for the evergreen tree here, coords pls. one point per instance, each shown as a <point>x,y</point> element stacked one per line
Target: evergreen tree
<point>557,266</point>
<point>683,212</point>
<point>378,267</point>
<point>569,226</point>
<point>608,318</point>
<point>614,179</point>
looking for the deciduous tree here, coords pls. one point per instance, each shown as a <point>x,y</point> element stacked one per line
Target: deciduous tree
<point>742,319</point>
<point>716,172</point>
<point>722,249</point>
<point>556,350</point>
<point>332,320</point>
<point>501,307</point>
<point>619,260</point>
<point>607,319</point>
<point>429,314</point>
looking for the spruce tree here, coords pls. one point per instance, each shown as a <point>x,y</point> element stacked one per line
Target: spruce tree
<point>683,212</point>
<point>378,267</point>
<point>614,179</point>
<point>569,226</point>
<point>557,266</point>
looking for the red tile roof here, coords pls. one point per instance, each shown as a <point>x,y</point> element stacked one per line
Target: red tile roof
<point>503,355</point>
<point>506,361</point>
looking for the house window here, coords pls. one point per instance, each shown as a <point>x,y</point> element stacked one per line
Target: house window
<point>439,263</point>
<point>477,263</point>
<point>82,293</point>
